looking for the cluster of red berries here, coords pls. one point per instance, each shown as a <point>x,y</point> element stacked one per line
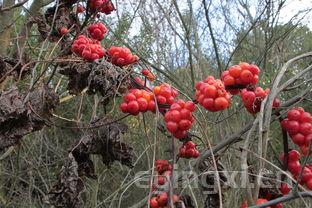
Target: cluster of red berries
<point>211,94</point>
<point>136,101</point>
<point>104,6</point>
<point>261,201</point>
<point>179,118</point>
<point>164,170</point>
<point>161,200</point>
<point>295,168</point>
<point>87,48</point>
<point>148,74</point>
<point>298,124</point>
<point>188,150</point>
<point>165,94</point>
<point>252,99</point>
<point>121,56</point>
<point>240,76</point>
<point>97,31</point>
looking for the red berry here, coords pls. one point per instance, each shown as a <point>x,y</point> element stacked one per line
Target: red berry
<point>294,167</point>
<point>143,104</point>
<point>124,107</point>
<point>129,97</point>
<point>133,107</point>
<point>154,202</point>
<point>305,117</point>
<point>298,139</point>
<point>221,103</point>
<point>248,97</point>
<point>276,103</point>
<point>294,115</point>
<point>292,127</point>
<point>175,115</point>
<point>161,99</point>
<point>306,175</point>
<point>190,106</point>
<point>305,128</point>
<point>162,199</point>
<point>190,145</point>
<point>185,125</point>
<point>293,155</point>
<point>246,76</point>
<point>235,71</point>
<point>229,80</point>
<point>172,126</point>
<point>64,31</point>
<point>284,189</point>
<point>161,180</point>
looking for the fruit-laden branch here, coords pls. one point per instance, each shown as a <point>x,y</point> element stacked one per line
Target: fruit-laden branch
<point>233,138</point>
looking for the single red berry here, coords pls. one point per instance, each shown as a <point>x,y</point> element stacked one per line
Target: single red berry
<point>189,105</point>
<point>246,76</point>
<point>172,126</point>
<point>292,127</point>
<point>221,103</point>
<point>162,199</point>
<point>235,71</point>
<point>143,104</point>
<point>185,124</point>
<point>284,189</point>
<point>64,30</point>
<point>305,128</point>
<point>293,115</point>
<point>294,167</point>
<point>293,155</point>
<point>298,139</point>
<point>123,107</point>
<point>305,117</point>
<point>133,107</point>
<point>154,202</point>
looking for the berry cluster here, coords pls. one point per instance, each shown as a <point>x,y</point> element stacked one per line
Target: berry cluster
<point>164,170</point>
<point>211,94</point>
<point>240,76</point>
<point>97,31</point>
<point>295,168</point>
<point>188,150</point>
<point>137,101</point>
<point>161,200</point>
<point>179,118</point>
<point>121,56</point>
<point>252,99</point>
<point>298,124</point>
<point>88,48</point>
<point>103,6</point>
<point>165,94</point>
<point>148,74</point>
